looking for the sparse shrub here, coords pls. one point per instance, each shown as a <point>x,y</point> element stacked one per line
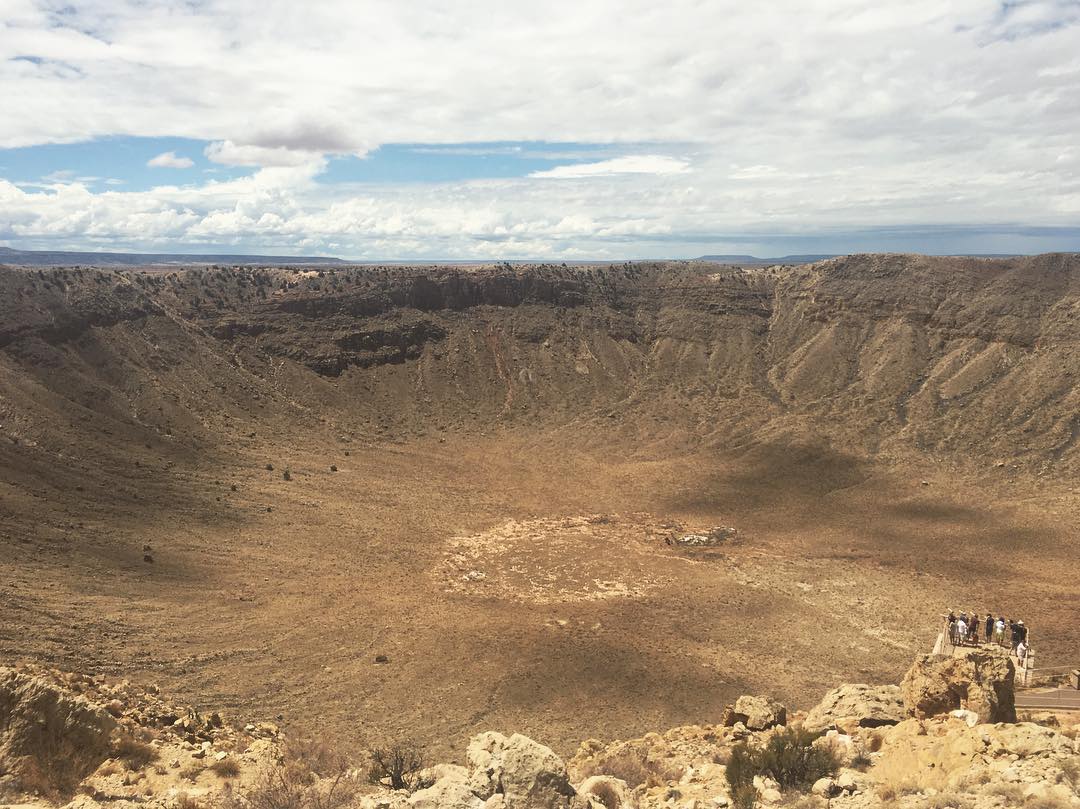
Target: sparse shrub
<point>741,767</point>
<point>226,768</point>
<point>269,467</point>
<point>605,793</point>
<point>286,475</point>
<point>400,764</point>
<point>744,797</point>
<point>861,762</point>
<point>635,768</point>
<point>185,801</point>
<point>789,757</point>
<point>886,792</point>
<point>1045,803</point>
<point>1070,773</point>
<point>133,753</point>
<point>949,800</point>
<point>295,782</point>
<point>875,742</point>
<point>1012,793</point>
<point>192,771</point>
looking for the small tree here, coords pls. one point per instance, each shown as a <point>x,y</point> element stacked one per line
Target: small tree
<point>401,764</point>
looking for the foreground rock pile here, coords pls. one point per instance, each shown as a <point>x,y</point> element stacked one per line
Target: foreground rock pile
<point>69,737</point>
<point>933,742</point>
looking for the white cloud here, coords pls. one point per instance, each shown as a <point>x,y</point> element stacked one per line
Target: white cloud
<point>231,154</point>
<point>808,115</point>
<point>631,164</point>
<point>169,160</point>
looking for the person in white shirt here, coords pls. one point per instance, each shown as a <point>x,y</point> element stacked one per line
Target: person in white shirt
<point>1022,652</point>
<point>961,631</point>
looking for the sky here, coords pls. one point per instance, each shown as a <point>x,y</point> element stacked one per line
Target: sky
<point>552,130</point>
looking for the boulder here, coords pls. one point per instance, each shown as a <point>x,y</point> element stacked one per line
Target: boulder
<point>446,793</point>
<point>931,754</point>
<point>1026,740</point>
<point>858,705</point>
<point>980,681</point>
<point>759,713</point>
<point>526,774</point>
<point>826,788</point>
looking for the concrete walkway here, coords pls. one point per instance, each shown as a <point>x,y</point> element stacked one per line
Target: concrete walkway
<point>1051,699</point>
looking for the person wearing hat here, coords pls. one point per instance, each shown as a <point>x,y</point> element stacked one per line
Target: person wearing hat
<point>989,627</point>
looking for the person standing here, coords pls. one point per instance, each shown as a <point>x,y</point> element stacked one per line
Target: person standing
<point>999,631</point>
<point>989,627</point>
<point>961,630</point>
<point>973,628</point>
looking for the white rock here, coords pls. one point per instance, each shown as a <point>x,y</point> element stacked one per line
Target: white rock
<point>446,793</point>
<point>826,788</point>
<point>529,775</point>
<point>969,717</point>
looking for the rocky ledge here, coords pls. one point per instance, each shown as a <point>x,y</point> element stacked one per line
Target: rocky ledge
<point>945,738</point>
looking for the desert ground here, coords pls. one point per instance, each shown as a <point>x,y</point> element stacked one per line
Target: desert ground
<point>489,469</point>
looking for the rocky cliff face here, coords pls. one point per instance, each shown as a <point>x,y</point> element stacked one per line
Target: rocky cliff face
<point>969,357</point>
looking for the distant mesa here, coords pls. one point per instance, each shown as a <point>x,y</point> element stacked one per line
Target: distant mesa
<point>796,259</point>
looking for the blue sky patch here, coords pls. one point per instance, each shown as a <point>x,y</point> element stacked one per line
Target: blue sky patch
<point>122,163</point>
<point>118,163</point>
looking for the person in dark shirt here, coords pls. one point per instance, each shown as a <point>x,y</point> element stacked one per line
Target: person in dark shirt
<point>989,627</point>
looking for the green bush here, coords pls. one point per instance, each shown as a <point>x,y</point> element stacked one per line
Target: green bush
<point>789,757</point>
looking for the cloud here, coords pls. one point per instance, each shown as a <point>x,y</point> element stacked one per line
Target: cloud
<point>169,160</point>
<point>820,116</point>
<point>233,154</point>
<point>631,164</point>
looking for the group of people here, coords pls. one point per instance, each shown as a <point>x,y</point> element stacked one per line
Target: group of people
<point>965,631</point>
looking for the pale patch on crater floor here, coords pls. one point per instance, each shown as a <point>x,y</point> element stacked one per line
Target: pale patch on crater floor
<point>554,561</point>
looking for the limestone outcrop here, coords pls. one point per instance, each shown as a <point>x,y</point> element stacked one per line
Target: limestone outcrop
<point>49,737</point>
<point>758,713</point>
<point>980,681</point>
<point>858,705</point>
<point>527,774</point>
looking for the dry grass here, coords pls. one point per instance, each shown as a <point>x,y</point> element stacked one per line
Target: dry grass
<point>309,776</point>
<point>886,792</point>
<point>192,771</point>
<point>133,753</point>
<point>226,768</point>
<point>605,793</point>
<point>1070,774</point>
<point>635,768</point>
<point>1047,803</point>
<point>949,800</point>
<point>185,801</point>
